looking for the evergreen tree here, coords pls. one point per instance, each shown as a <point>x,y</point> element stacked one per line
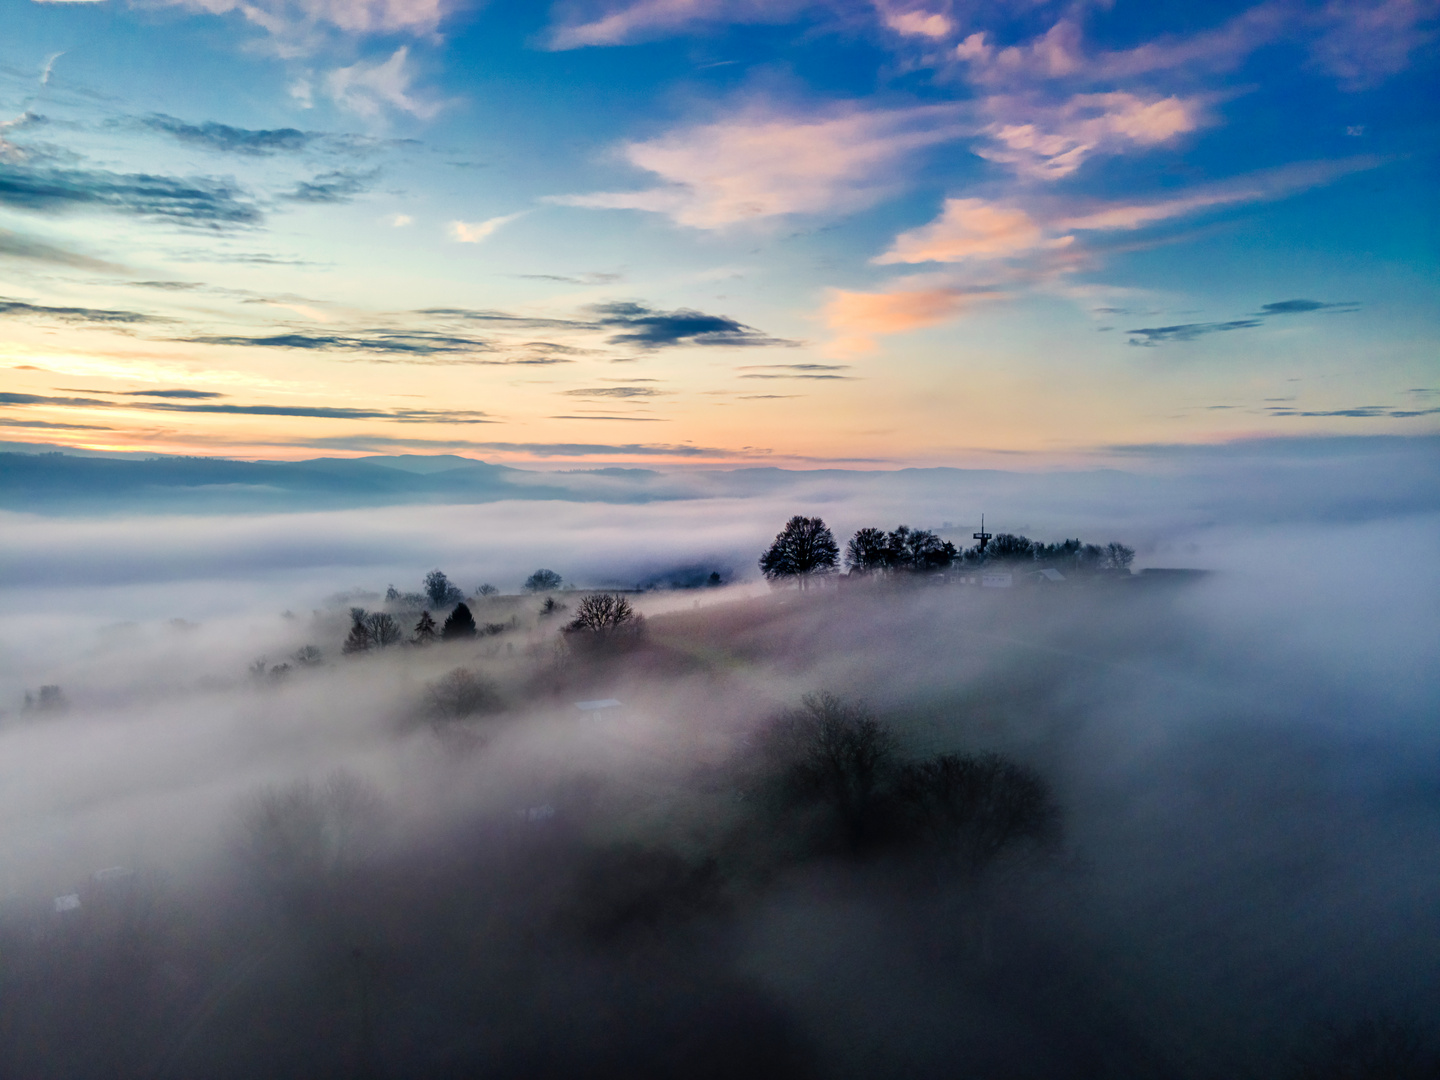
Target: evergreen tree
<point>425,630</point>
<point>359,637</point>
<point>459,624</point>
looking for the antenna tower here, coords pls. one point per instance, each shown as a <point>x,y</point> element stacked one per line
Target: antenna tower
<point>982,535</point>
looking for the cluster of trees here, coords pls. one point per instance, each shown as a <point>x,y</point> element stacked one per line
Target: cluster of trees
<point>840,768</point>
<point>380,630</point>
<point>806,547</point>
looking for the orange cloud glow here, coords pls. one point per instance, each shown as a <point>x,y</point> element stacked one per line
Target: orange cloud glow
<point>857,318</point>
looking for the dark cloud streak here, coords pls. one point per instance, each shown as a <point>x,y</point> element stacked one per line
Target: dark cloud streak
<point>231,140</point>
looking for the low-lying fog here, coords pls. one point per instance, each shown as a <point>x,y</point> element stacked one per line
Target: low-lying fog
<point>1209,845</point>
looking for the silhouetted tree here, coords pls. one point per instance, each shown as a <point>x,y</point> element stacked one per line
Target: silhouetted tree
<point>440,591</point>
<point>551,606</point>
<point>425,630</point>
<point>1007,547</point>
<point>868,551</point>
<point>543,581</point>
<point>918,549</point>
<point>973,808</point>
<point>602,617</point>
<point>459,624</point>
<point>358,639</point>
<point>384,630</point>
<point>713,579</point>
<point>308,656</point>
<point>1118,556</point>
<point>486,590</point>
<point>840,756</point>
<point>803,548</point>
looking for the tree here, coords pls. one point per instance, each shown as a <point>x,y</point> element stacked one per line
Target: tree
<point>973,808</point>
<point>804,547</point>
<point>459,624</point>
<point>604,615</point>
<point>1007,547</point>
<point>358,639</point>
<point>486,590</point>
<point>425,630</point>
<point>867,551</point>
<point>543,580</point>
<point>551,606</point>
<point>459,695</point>
<point>1118,556</point>
<point>308,656</point>
<point>384,630</point>
<point>918,549</point>
<point>440,591</point>
<point>840,756</point>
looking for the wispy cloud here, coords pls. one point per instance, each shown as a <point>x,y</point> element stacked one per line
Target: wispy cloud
<point>475,232</point>
<point>338,186</point>
<point>615,392</point>
<point>395,343</point>
<point>856,319</point>
<point>1050,141</point>
<point>294,23</point>
<point>972,229</point>
<point>318,412</point>
<point>369,88</point>
<point>223,138</point>
<point>765,162</point>
<point>75,314</point>
<point>585,23</point>
<point>1150,336</point>
<point>196,202</point>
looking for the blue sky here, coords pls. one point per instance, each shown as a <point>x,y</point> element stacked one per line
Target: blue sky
<point>845,231</point>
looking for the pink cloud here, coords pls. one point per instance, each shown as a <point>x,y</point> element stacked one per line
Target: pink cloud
<point>1048,142</point>
<point>918,23</point>
<point>764,163</point>
<point>857,318</point>
<point>1365,42</point>
<point>1059,53</point>
<point>585,24</point>
<point>971,229</point>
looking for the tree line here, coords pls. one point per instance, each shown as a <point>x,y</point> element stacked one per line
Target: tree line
<point>806,548</point>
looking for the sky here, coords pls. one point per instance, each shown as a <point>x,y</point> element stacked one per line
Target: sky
<point>864,233</point>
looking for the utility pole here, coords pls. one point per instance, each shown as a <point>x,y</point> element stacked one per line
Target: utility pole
<point>982,535</point>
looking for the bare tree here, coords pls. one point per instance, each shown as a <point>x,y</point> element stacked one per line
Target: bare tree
<point>384,630</point>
